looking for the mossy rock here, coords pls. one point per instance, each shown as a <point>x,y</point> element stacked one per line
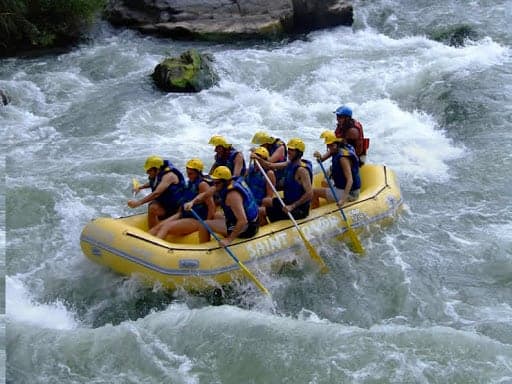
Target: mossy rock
<point>455,35</point>
<point>190,72</point>
<point>4,98</point>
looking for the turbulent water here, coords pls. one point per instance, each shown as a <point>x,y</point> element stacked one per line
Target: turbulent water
<point>430,303</point>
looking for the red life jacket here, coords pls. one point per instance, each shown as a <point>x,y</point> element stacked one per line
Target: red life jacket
<point>365,142</point>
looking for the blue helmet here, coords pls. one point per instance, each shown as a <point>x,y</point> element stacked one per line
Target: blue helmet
<point>343,111</point>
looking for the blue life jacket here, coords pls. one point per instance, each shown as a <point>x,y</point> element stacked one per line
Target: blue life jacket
<point>173,196</point>
<point>292,189</point>
<point>191,191</point>
<point>257,183</point>
<point>250,206</point>
<point>346,150</point>
<point>230,162</point>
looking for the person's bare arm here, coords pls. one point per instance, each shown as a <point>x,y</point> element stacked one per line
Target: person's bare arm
<point>267,164</point>
<point>352,136</point>
<point>167,179</point>
<point>272,177</point>
<point>239,163</point>
<point>205,188</point>
<point>277,155</point>
<point>322,157</point>
<point>203,196</point>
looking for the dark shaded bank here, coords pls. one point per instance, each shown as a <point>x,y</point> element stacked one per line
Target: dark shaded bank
<point>44,25</point>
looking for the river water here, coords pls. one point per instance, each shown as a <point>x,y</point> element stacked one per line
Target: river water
<point>431,302</point>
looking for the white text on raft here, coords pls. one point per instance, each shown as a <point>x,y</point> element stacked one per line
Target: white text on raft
<point>288,238</point>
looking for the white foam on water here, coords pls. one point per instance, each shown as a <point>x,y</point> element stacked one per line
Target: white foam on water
<point>503,232</point>
<point>21,308</point>
<point>297,100</point>
<point>410,143</point>
<point>160,354</point>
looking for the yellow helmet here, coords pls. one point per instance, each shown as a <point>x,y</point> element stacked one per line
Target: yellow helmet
<point>296,144</point>
<point>329,137</point>
<point>196,164</point>
<point>216,140</point>
<point>262,138</point>
<point>153,162</point>
<point>262,152</point>
<point>221,172</point>
<point>324,134</point>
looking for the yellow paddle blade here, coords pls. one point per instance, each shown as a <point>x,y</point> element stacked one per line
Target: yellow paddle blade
<point>356,244</point>
<point>313,253</point>
<point>135,185</point>
<point>253,278</point>
<point>357,247</point>
<point>232,255</point>
<point>353,240</point>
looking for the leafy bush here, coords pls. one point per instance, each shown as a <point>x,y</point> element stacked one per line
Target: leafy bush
<point>34,24</point>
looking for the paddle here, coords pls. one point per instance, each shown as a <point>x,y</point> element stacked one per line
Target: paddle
<point>312,251</point>
<point>356,244</point>
<point>135,185</point>
<point>240,264</point>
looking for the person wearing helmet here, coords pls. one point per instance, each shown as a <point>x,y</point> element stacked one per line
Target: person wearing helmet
<point>344,171</point>
<point>183,222</point>
<point>167,186</point>
<point>226,155</point>
<point>275,146</point>
<point>258,184</point>
<point>277,153</point>
<point>240,209</point>
<point>297,186</point>
<point>352,131</point>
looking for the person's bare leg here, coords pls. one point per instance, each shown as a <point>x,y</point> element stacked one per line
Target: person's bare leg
<point>155,229</point>
<point>262,216</point>
<point>216,225</point>
<point>180,227</point>
<point>155,211</point>
<point>317,193</point>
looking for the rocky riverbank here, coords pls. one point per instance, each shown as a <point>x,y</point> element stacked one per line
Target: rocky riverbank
<point>229,20</point>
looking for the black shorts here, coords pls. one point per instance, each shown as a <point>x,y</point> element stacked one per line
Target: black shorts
<point>252,229</point>
<point>200,209</point>
<point>275,212</point>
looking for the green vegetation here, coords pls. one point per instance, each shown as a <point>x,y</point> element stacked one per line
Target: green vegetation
<point>39,24</point>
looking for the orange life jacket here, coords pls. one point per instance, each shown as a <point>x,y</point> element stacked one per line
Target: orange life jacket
<point>364,140</point>
<point>364,143</point>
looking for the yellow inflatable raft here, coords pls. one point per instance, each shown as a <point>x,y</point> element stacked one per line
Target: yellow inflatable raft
<point>124,245</point>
